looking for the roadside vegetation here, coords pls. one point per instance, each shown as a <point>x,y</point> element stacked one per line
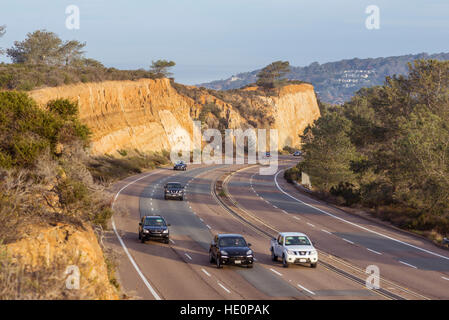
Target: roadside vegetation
<point>46,179</point>
<point>387,150</point>
<point>108,168</point>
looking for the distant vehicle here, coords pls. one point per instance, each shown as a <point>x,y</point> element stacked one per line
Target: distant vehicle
<point>173,190</point>
<point>293,248</point>
<point>153,227</point>
<point>267,154</point>
<point>230,249</point>
<point>297,153</point>
<point>180,165</point>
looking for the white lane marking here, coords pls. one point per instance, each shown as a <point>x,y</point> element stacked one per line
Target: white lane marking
<point>326,231</point>
<point>208,226</point>
<point>408,264</point>
<point>311,225</point>
<point>445,278</point>
<point>374,251</point>
<point>295,217</point>
<point>201,219</point>
<point>305,289</point>
<point>349,241</point>
<point>355,224</point>
<point>274,206</point>
<point>278,273</point>
<point>187,255</point>
<point>172,241</point>
<point>145,281</point>
<point>207,273</point>
<point>224,287</point>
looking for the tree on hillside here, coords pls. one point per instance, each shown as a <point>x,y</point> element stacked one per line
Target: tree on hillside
<point>160,68</point>
<point>329,151</point>
<point>71,51</point>
<point>43,47</point>
<point>272,76</point>
<point>87,63</point>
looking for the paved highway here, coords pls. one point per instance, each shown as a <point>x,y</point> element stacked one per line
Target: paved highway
<point>415,265</point>
<point>181,269</point>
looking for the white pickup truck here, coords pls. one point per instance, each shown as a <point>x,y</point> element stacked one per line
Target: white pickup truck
<point>293,247</point>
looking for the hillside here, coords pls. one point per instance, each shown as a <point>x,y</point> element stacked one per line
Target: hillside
<point>336,82</point>
<point>387,150</point>
<point>152,115</point>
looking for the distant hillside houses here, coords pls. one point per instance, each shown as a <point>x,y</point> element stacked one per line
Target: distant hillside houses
<point>336,82</point>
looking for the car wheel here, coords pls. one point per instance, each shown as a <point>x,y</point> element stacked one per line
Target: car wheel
<point>182,198</point>
<point>313,265</point>
<point>284,262</point>
<point>165,197</point>
<point>140,236</point>
<point>211,257</point>
<point>273,256</point>
<point>217,260</point>
<point>166,241</point>
<point>142,239</point>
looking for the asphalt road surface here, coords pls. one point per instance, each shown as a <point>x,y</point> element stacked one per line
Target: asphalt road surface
<point>410,267</point>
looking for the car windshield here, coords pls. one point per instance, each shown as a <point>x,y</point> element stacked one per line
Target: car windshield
<point>174,185</point>
<point>297,241</point>
<point>154,222</point>
<point>232,242</point>
<point>180,162</point>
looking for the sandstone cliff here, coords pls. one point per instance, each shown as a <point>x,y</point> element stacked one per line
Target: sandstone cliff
<point>151,115</point>
<point>64,247</point>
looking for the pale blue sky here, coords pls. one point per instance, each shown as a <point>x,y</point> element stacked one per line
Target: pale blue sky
<point>211,39</point>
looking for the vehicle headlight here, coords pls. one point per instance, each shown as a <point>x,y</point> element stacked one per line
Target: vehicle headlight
<point>165,231</point>
<point>290,252</point>
<point>223,253</point>
<point>249,252</point>
<point>313,252</point>
<point>145,231</point>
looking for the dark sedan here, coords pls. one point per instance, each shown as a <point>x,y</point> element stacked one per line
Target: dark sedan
<point>153,227</point>
<point>173,190</point>
<point>230,249</point>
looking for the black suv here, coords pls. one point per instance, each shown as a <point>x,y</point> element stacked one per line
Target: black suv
<point>180,165</point>
<point>173,190</point>
<point>230,249</point>
<point>153,227</point>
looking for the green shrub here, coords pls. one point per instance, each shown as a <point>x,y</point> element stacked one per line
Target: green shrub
<point>63,107</point>
<point>292,174</point>
<point>347,191</point>
<point>72,191</point>
<point>102,217</point>
<point>26,131</point>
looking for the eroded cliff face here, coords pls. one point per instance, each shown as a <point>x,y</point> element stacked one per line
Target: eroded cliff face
<point>71,251</point>
<point>150,115</point>
<point>294,109</point>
